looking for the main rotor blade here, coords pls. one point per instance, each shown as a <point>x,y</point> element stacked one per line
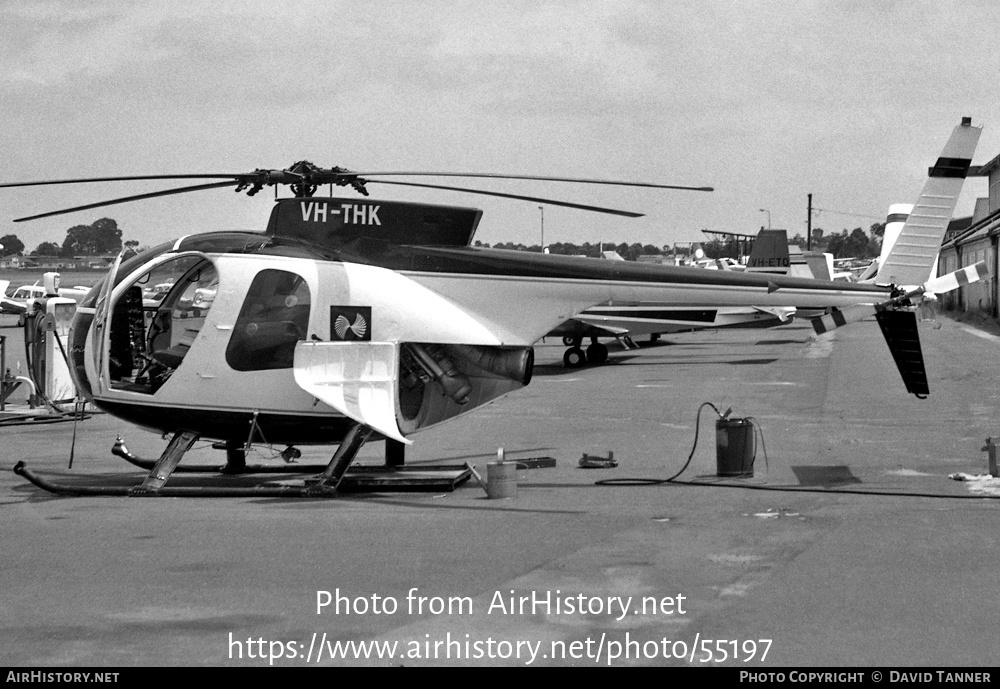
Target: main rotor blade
<point>85,180</point>
<point>137,197</point>
<point>580,206</point>
<point>492,175</point>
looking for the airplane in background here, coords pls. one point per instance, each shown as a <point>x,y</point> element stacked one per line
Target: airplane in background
<point>783,258</point>
<point>24,296</point>
<point>21,299</point>
<point>8,305</point>
<point>625,321</point>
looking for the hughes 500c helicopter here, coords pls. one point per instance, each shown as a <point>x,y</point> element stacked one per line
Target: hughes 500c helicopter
<point>348,319</point>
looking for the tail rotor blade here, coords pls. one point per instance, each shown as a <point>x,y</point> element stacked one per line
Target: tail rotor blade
<point>959,278</point>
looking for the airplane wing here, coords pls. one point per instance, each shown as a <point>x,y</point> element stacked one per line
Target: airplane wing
<point>580,328</point>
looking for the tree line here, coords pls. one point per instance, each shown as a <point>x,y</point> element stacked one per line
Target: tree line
<point>104,237</point>
<point>854,244</point>
<point>101,238</point>
<point>857,244</point>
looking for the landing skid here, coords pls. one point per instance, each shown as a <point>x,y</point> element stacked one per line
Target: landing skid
<point>164,492</point>
<point>154,485</point>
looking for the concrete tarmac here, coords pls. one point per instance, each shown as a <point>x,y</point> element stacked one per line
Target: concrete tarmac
<point>850,546</point>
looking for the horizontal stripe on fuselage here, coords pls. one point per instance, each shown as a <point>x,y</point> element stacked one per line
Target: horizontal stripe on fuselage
<point>699,316</point>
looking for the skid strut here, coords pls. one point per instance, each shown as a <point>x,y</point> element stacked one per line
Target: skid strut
<point>341,460</point>
<point>165,465</point>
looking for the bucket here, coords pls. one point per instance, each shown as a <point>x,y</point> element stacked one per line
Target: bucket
<point>501,480</point>
<point>735,447</point>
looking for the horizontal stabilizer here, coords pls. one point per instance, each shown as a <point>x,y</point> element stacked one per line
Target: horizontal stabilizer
<point>900,331</point>
<point>358,379</point>
<point>783,313</point>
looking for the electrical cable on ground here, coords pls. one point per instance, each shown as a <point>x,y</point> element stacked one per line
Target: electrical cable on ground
<point>780,489</point>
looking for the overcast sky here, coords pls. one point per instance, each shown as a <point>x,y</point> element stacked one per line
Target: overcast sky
<point>765,101</point>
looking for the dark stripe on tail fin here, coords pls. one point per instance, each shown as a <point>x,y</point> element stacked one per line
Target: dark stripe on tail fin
<point>950,167</point>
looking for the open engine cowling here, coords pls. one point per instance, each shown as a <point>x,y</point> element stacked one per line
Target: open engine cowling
<point>398,389</point>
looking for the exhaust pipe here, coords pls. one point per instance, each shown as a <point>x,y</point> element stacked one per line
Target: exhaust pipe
<point>435,362</point>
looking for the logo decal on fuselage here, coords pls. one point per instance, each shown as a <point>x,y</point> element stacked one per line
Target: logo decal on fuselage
<point>350,323</point>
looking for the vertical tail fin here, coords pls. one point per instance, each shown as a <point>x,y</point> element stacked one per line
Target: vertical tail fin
<point>820,264</point>
<point>912,256</point>
<point>898,214</point>
<point>894,221</point>
<point>800,265</point>
<point>769,253</point>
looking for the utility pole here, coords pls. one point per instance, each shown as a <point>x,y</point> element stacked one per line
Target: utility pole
<point>542,209</point>
<point>809,225</point>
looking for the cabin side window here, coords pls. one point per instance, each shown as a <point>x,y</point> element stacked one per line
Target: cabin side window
<point>274,317</point>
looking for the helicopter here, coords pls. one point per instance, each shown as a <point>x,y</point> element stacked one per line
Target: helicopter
<point>348,320</point>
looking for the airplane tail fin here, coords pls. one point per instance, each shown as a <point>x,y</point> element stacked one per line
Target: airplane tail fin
<point>820,264</point>
<point>894,221</point>
<point>914,252</point>
<point>769,253</point>
<point>800,264</point>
